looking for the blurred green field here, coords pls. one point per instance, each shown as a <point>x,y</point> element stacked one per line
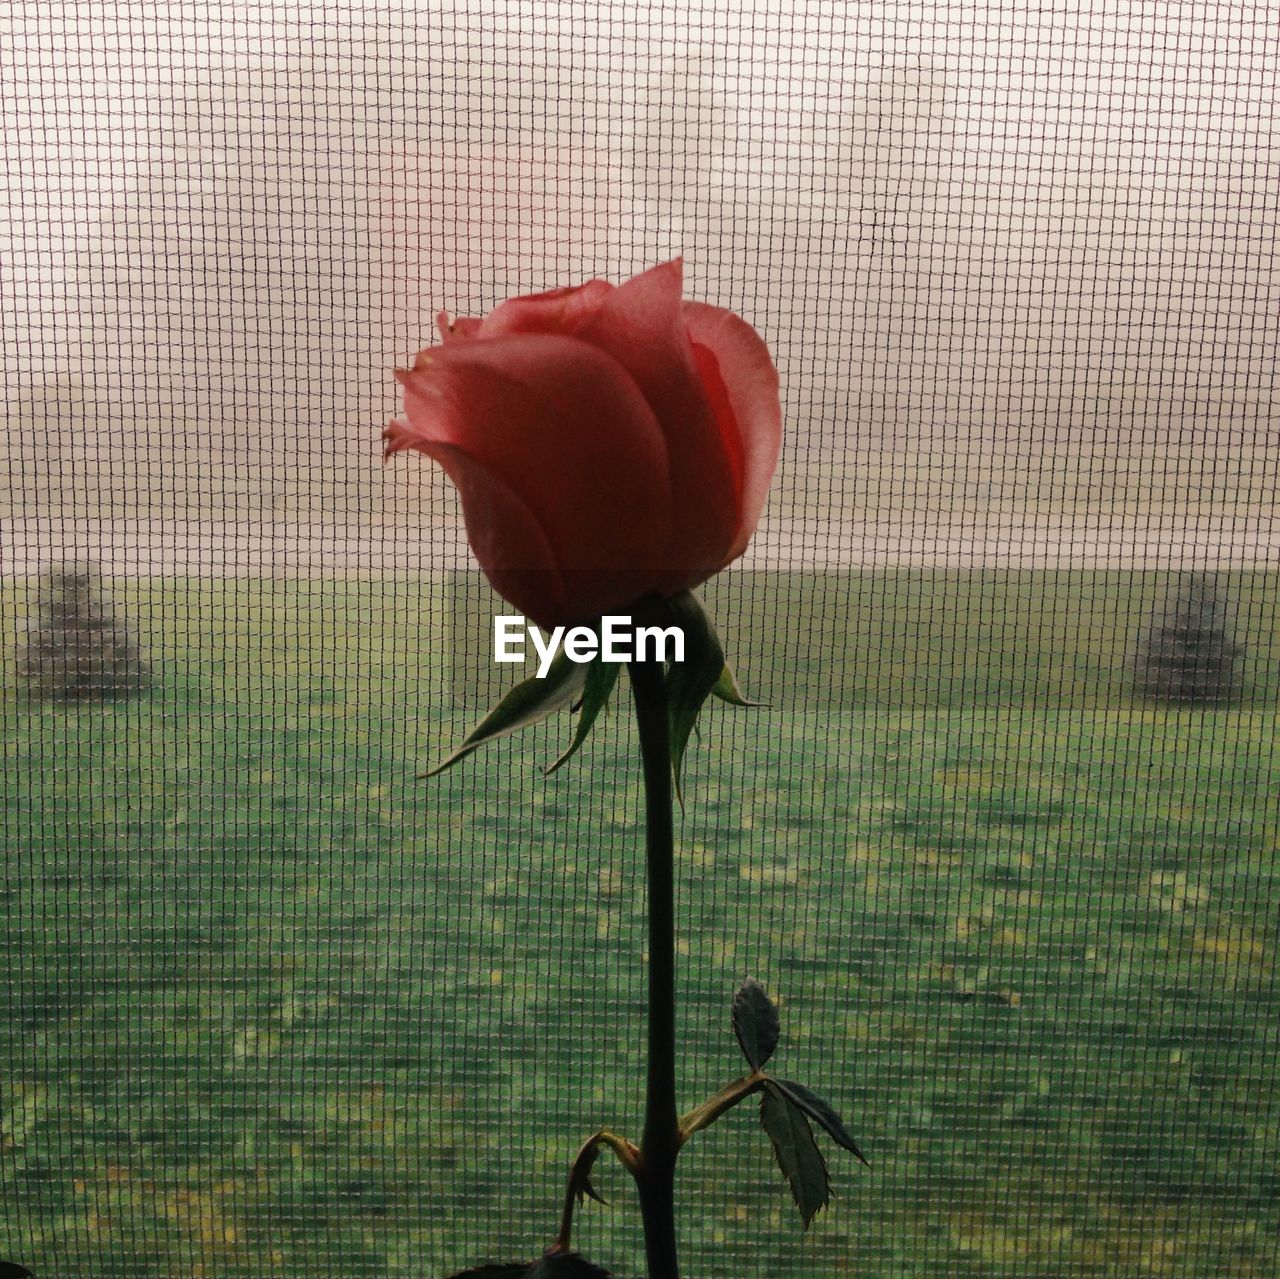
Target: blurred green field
<point>273,1008</point>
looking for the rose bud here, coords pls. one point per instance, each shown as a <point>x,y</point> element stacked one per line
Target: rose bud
<point>608,443</point>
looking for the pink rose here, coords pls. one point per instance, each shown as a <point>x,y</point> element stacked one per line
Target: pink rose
<point>608,443</point>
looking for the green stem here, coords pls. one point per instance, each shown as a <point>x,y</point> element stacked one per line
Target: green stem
<point>725,1100</point>
<point>655,1177</point>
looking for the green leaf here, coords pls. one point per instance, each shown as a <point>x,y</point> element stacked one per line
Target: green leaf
<point>530,702</point>
<point>689,683</point>
<point>727,690</point>
<point>818,1110</point>
<point>601,678</point>
<point>796,1152</point>
<point>755,1022</point>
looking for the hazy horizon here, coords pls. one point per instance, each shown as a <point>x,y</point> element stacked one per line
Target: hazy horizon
<point>1009,263</point>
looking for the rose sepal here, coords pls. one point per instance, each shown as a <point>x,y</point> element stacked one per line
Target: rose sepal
<point>529,703</point>
<point>692,681</point>
<point>597,689</point>
<point>727,690</point>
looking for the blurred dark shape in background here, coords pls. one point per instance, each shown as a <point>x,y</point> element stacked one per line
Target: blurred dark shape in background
<point>74,649</point>
<point>1187,653</point>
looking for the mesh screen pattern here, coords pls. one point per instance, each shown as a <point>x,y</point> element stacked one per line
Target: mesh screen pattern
<point>1004,841</point>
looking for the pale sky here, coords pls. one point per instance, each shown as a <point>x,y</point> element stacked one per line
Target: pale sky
<point>975,232</point>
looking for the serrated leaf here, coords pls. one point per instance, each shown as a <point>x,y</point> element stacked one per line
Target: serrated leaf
<point>565,1265</point>
<point>600,681</point>
<point>727,690</point>
<point>755,1022</point>
<point>796,1152</point>
<point>819,1110</point>
<point>530,702</point>
<point>689,683</point>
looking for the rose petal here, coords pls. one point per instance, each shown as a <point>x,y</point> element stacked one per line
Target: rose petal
<point>504,533</point>
<point>561,424</point>
<point>718,398</point>
<point>461,327</point>
<point>752,384</point>
<point>557,311</point>
<point>641,324</point>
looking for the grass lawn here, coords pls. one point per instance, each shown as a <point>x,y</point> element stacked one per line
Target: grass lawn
<point>271,1007</point>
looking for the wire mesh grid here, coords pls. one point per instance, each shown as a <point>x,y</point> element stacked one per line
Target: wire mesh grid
<point>1003,841</point>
